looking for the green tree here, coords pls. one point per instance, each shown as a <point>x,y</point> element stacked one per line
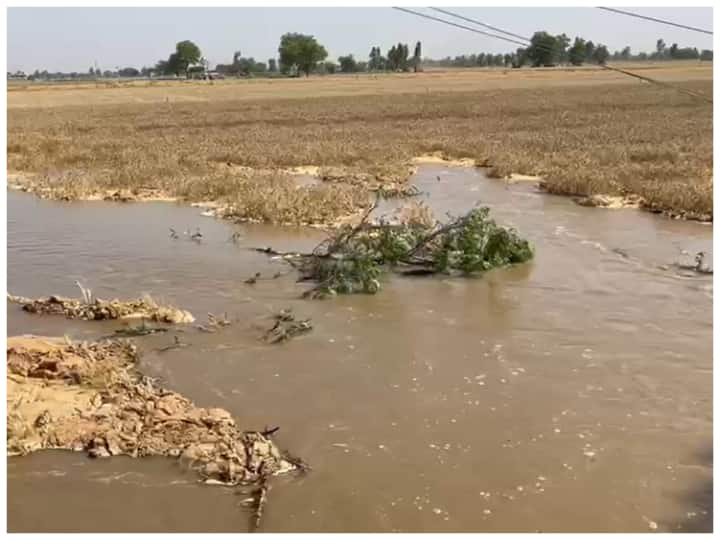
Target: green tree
<point>660,48</point>
<point>129,72</point>
<point>347,64</point>
<point>562,42</point>
<point>187,54</point>
<point>417,57</point>
<point>589,51</point>
<point>272,65</point>
<point>301,52</point>
<point>706,55</point>
<point>626,54</point>
<point>601,54</point>
<point>577,53</point>
<point>544,49</point>
<point>374,64</point>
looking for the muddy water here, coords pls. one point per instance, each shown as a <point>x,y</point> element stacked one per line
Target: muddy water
<point>570,394</point>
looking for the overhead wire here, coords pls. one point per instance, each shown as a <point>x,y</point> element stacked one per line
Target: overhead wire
<point>526,41</point>
<point>655,19</point>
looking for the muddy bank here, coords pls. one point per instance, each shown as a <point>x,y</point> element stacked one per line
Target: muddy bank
<point>95,309</point>
<point>90,397</point>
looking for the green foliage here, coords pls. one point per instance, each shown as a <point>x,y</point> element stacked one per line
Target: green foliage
<point>376,62</point>
<point>397,57</point>
<point>357,257</point>
<point>300,52</point>
<point>479,245</point>
<point>600,55</point>
<point>417,57</point>
<point>577,53</point>
<point>347,64</point>
<point>187,54</point>
<point>543,49</point>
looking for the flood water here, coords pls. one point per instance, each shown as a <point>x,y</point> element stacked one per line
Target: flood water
<point>573,393</point>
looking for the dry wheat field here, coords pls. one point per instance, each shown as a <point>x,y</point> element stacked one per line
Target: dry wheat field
<point>583,132</point>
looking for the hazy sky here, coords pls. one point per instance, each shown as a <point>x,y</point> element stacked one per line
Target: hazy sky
<point>72,39</point>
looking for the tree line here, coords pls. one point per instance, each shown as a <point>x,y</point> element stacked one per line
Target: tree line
<point>300,54</point>
<point>548,50</point>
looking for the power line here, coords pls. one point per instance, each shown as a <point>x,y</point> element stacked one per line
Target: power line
<point>468,19</point>
<point>654,19</point>
<point>527,41</point>
<point>458,25</point>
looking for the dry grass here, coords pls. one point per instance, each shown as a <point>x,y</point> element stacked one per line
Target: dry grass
<point>609,137</point>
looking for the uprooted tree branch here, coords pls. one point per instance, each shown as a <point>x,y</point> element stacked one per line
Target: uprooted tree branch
<point>353,259</point>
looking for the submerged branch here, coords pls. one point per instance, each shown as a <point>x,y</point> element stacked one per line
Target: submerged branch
<point>355,257</point>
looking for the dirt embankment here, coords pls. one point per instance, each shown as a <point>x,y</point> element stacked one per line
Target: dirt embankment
<point>97,309</point>
<point>90,397</point>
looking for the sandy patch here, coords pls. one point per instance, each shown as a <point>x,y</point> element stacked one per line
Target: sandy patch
<point>437,158</point>
<point>514,177</point>
<point>613,202</point>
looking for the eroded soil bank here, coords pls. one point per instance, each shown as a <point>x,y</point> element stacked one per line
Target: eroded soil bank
<point>90,397</point>
<point>570,394</point>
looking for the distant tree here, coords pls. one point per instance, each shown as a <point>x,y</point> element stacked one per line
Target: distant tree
<point>544,49</point>
<point>362,67</point>
<point>301,52</point>
<point>660,48</point>
<point>374,64</point>
<point>404,57</point>
<point>601,54</point>
<point>577,53</point>
<point>625,54</point>
<point>562,42</point>
<point>673,50</point>
<point>520,58</point>
<point>347,64</point>
<point>392,58</point>
<point>174,65</point>
<point>162,67</point>
<point>417,57</point>
<point>188,54</point>
<point>706,55</point>
<point>272,65</point>
<point>129,72</point>
<point>589,51</point>
<point>91,71</point>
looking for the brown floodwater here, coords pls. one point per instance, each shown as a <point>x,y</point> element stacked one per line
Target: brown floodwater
<point>573,393</point>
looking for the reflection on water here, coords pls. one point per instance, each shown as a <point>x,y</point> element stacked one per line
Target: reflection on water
<point>570,394</point>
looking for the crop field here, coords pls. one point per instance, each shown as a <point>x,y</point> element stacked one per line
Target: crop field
<point>584,131</point>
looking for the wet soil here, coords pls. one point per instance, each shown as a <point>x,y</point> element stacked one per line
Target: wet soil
<point>573,393</point>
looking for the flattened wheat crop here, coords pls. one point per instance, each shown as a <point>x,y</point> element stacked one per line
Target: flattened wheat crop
<point>616,139</point>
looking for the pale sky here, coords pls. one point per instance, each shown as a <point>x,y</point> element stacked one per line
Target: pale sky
<point>72,39</point>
